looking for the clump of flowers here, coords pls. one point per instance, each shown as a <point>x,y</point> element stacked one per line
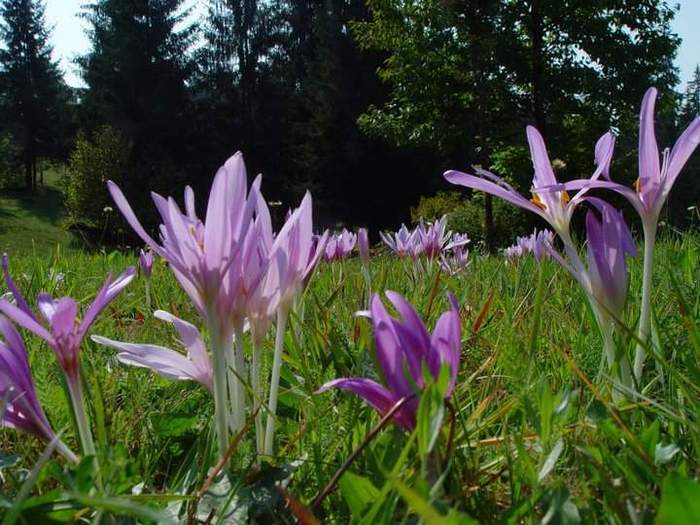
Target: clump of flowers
<point>339,245</point>
<point>538,244</point>
<point>428,239</point>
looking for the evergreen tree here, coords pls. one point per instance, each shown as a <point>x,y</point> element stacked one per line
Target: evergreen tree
<point>136,73</point>
<point>33,93</point>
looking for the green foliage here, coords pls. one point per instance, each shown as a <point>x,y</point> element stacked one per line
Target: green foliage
<point>105,155</point>
<point>9,162</point>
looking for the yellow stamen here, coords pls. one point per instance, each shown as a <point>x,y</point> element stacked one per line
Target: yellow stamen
<point>564,196</point>
<point>638,185</point>
<point>537,201</point>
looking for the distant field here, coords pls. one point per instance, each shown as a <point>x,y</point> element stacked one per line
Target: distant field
<point>31,223</point>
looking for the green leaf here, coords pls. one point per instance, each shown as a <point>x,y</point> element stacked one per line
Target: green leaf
<point>172,425</point>
<point>429,418</point>
<point>425,510</point>
<point>358,492</point>
<point>680,501</point>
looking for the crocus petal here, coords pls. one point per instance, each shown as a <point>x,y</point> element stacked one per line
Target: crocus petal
<point>374,394</point>
<point>544,174</point>
<point>19,298</point>
<point>191,339</point>
<point>163,361</point>
<point>25,321</point>
<point>477,183</point>
<point>649,171</point>
<point>682,150</point>
<point>130,216</point>
<point>603,155</point>
<point>110,289</point>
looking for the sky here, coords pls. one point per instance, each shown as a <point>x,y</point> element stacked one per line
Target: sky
<point>69,37</point>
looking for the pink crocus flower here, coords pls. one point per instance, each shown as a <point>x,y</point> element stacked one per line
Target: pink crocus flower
<point>170,364</point>
<point>403,348</point>
<point>555,207</point>
<point>146,263</point>
<point>656,179</point>
<point>63,331</point>
<point>339,245</point>
<point>363,245</point>
<point>22,408</point>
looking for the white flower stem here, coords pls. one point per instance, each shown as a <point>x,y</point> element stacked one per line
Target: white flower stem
<point>282,315</point>
<point>237,375</point>
<point>645,314</point>
<point>257,396</point>
<point>148,295</point>
<point>75,390</point>
<point>219,350</point>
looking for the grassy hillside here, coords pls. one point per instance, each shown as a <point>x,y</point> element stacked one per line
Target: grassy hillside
<point>31,222</point>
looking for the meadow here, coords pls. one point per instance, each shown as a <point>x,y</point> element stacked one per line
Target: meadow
<point>530,435</point>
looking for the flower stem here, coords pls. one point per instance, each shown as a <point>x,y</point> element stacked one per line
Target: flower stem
<point>257,396</point>
<point>148,295</point>
<point>76,396</point>
<point>218,350</point>
<point>237,376</point>
<point>645,314</point>
<point>282,314</point>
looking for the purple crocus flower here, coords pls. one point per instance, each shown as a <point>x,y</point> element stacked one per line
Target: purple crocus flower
<point>538,243</point>
<point>22,410</point>
<point>403,348</point>
<point>61,329</point>
<point>195,366</point>
<point>146,263</point>
<point>455,260</point>
<point>363,245</point>
<point>201,253</point>
<point>432,238</point>
<point>294,255</point>
<point>656,179</point>
<point>339,245</point>
<point>399,242</point>
<point>609,243</point>
<point>555,207</point>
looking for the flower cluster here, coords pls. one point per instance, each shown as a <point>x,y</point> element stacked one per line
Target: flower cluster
<point>538,244</point>
<point>604,275</point>
<point>339,245</point>
<point>236,271</point>
<point>429,240</point>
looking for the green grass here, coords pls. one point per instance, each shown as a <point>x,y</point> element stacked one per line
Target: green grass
<point>533,433</point>
<point>31,222</point>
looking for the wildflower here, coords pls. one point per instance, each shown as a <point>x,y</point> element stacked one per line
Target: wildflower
<point>648,196</point>
<point>400,242</point>
<point>555,207</point>
<point>195,366</point>
<point>363,246</point>
<point>64,332</point>
<point>403,349</point>
<point>454,261</point>
<point>146,263</point>
<point>294,255</point>
<point>605,278</point>
<point>206,258</point>
<point>22,408</point>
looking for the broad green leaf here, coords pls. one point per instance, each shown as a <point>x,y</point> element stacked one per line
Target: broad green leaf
<point>358,492</point>
<point>680,501</point>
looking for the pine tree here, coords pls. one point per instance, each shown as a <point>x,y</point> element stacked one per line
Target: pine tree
<point>33,92</point>
<point>136,73</point>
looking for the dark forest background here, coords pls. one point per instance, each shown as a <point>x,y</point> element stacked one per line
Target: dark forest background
<point>364,102</point>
